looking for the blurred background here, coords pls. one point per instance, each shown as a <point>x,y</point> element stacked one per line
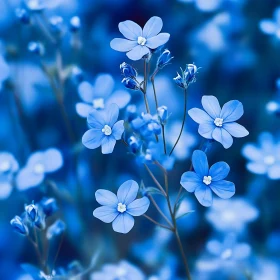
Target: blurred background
<point>235,42</point>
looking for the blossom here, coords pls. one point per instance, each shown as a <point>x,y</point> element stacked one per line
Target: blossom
<point>138,42</point>
<point>264,157</point>
<point>55,229</point>
<point>104,129</point>
<point>271,26</point>
<point>204,180</point>
<point>188,76</point>
<point>38,165</point>
<point>219,124</point>
<point>32,212</point>
<point>48,205</point>
<point>121,208</point>
<point>164,59</point>
<point>19,225</point>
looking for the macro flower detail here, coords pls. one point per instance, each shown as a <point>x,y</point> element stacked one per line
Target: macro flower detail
<point>19,225</point>
<point>104,129</point>
<point>219,124</point>
<point>138,42</point>
<point>121,208</point>
<point>187,76</point>
<point>204,180</point>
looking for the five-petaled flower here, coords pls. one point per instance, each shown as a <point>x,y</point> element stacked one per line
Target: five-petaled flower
<point>219,124</point>
<point>121,208</point>
<point>139,42</point>
<point>104,129</point>
<point>204,180</point>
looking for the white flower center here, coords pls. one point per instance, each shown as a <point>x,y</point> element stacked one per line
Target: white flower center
<point>141,41</point>
<point>5,166</point>
<point>228,216</point>
<point>98,103</point>
<point>218,122</point>
<point>121,207</point>
<point>39,168</point>
<point>121,272</point>
<point>269,160</point>
<point>207,180</point>
<point>226,254</point>
<point>107,130</point>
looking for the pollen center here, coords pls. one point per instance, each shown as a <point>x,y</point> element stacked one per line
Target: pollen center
<point>107,130</point>
<point>269,160</point>
<point>39,168</point>
<point>121,207</point>
<point>5,166</point>
<point>218,122</point>
<point>207,180</point>
<point>98,103</point>
<point>141,41</point>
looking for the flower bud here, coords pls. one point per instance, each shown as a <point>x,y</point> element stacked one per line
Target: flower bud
<point>49,206</point>
<point>134,144</point>
<point>36,48</point>
<point>32,212</point>
<point>190,73</point>
<point>130,83</point>
<point>128,71</point>
<point>179,81</point>
<point>55,229</point>
<point>18,225</point>
<point>164,59</point>
<point>75,24</point>
<point>56,24</point>
<point>23,16</point>
<point>162,114</point>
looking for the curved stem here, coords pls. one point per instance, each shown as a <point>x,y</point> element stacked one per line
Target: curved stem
<point>156,223</point>
<point>183,123</point>
<point>154,88</point>
<point>163,137</point>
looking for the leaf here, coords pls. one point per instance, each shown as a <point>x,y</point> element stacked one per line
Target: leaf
<point>184,214</point>
<point>153,190</point>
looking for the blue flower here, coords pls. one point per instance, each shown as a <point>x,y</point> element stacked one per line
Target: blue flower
<point>188,76</point>
<point>75,24</point>
<point>219,124</point>
<point>32,212</point>
<point>121,208</point>
<point>271,26</point>
<point>264,158</point>
<point>38,165</point>
<point>8,167</point>
<point>49,206</point>
<point>104,129</point>
<point>55,229</point>
<point>139,42</point>
<point>128,71</point>
<point>19,225</point>
<point>164,59</point>
<point>204,180</point>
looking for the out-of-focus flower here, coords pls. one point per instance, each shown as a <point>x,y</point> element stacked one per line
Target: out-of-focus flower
<point>128,71</point>
<point>131,112</point>
<point>4,71</point>
<point>23,15</point>
<point>187,77</point>
<point>134,144</point>
<point>104,129</point>
<point>39,5</point>
<point>32,212</point>
<point>162,114</point>
<point>264,158</point>
<point>56,24</point>
<point>139,42</point>
<point>36,48</point>
<point>204,180</point>
<point>75,24</point>
<point>219,124</point>
<point>19,226</point>
<point>164,59</point>
<point>55,229</point>
<point>49,206</point>
<point>121,208</point>
<point>130,83</point>
<point>38,165</point>
<point>271,26</point>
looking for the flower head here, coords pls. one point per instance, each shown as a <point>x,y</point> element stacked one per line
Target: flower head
<point>121,208</point>
<point>49,206</point>
<point>32,212</point>
<point>187,77</point>
<point>55,229</point>
<point>19,225</point>
<point>139,42</point>
<point>204,180</point>
<point>104,129</point>
<point>128,71</point>
<point>219,124</point>
<point>164,59</point>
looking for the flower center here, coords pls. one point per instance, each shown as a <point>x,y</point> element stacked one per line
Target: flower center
<point>107,130</point>
<point>121,207</point>
<point>39,168</point>
<point>141,41</point>
<point>98,103</point>
<point>269,160</point>
<point>207,180</point>
<point>5,166</point>
<point>218,122</point>
<point>226,254</point>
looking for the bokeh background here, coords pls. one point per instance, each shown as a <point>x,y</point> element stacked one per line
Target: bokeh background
<point>239,58</point>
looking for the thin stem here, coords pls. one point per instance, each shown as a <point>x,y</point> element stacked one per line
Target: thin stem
<point>154,88</point>
<point>156,223</point>
<point>183,123</point>
<point>58,250</point>
<point>36,247</point>
<point>163,137</point>
<point>146,103</point>
<point>145,87</point>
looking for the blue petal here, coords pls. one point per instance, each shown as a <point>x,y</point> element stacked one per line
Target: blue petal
<point>268,26</point>
<point>236,129</point>
<point>206,130</point>
<point>223,189</point>
<point>138,207</point>
<point>111,114</point>
<point>232,111</point>
<point>107,145</point>
<point>156,41</point>
<point>83,109</point>
<point>137,52</point>
<point>211,105</point>
<point>190,181</point>
<point>26,179</point>
<point>267,142</point>
<point>152,27</point>
<point>274,172</point>
<point>5,190</point>
<point>106,214</point>
<point>252,152</point>
<point>96,119</point>
<point>219,171</point>
<point>223,137</point>
<point>127,192</point>
<point>86,93</point>
<point>257,167</point>
<point>119,97</point>
<point>106,198</point>
<point>103,85</point>
<point>118,130</point>
<point>53,160</point>
<point>199,116</point>
<point>123,223</point>
<point>130,29</point>
<point>122,45</point>
<point>37,157</point>
<point>9,158</point>
<point>200,163</point>
<point>204,195</point>
<point>92,138</point>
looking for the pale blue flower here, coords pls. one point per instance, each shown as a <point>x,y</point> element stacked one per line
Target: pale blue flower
<point>271,26</point>
<point>264,157</point>
<point>204,180</point>
<point>219,124</point>
<point>121,208</point>
<point>104,129</point>
<point>139,42</point>
<point>55,229</point>
<point>19,225</point>
<point>38,165</point>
